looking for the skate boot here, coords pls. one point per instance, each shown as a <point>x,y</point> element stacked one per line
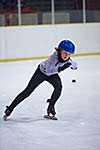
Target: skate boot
<point>7,112</point>
<point>51,113</point>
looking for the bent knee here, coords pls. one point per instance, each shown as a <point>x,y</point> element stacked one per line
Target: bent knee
<point>58,86</point>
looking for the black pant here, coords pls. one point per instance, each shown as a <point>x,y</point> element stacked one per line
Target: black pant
<point>37,78</point>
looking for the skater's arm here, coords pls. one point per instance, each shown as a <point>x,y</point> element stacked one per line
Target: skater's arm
<point>72,64</point>
<point>64,67</point>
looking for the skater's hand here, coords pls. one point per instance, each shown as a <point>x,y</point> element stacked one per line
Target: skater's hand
<point>73,65</point>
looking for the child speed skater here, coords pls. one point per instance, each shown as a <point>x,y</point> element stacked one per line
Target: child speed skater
<point>48,71</point>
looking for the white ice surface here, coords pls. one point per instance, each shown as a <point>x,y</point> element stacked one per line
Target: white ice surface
<point>78,109</point>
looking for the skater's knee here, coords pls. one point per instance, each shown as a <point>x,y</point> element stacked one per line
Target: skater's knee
<point>58,87</point>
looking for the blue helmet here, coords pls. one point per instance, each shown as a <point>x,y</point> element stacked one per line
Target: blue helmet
<point>67,46</point>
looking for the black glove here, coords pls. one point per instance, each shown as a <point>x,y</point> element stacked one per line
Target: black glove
<point>64,67</point>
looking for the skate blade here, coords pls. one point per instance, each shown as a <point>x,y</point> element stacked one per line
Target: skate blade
<point>5,118</point>
<point>50,117</point>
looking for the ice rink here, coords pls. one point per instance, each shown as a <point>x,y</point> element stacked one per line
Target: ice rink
<point>78,109</point>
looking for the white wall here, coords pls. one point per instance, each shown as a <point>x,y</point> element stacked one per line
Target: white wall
<point>33,41</point>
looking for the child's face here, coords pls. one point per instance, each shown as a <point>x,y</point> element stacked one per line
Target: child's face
<point>65,55</point>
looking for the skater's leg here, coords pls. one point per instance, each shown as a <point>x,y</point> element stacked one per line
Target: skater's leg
<point>36,79</point>
<point>56,82</point>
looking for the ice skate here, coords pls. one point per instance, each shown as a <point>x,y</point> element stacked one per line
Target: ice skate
<point>51,114</point>
<point>50,117</point>
<point>7,113</point>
